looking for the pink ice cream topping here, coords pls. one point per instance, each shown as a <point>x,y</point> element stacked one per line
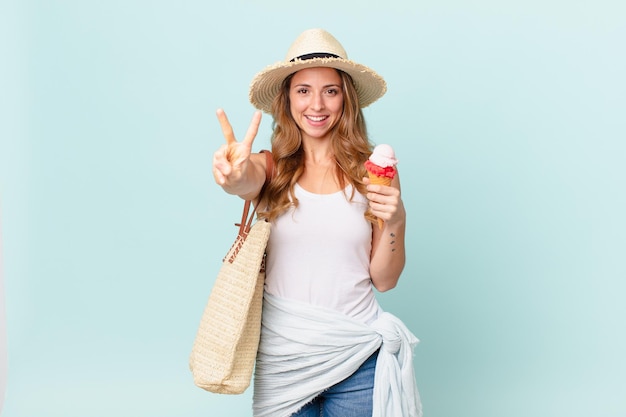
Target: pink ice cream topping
<point>382,161</point>
<point>383,156</point>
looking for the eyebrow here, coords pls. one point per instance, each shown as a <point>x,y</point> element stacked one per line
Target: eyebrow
<point>325,86</point>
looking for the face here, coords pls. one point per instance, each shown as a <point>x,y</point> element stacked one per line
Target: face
<point>316,100</point>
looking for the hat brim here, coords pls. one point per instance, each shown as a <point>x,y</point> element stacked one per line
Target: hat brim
<point>266,84</point>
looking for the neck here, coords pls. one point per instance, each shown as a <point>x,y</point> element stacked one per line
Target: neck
<point>318,155</point>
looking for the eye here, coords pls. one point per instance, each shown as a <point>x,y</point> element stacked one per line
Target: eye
<point>332,91</point>
<point>302,90</point>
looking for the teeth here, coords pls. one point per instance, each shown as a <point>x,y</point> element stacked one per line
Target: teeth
<point>316,118</point>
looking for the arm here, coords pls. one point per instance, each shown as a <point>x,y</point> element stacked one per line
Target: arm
<point>235,169</point>
<point>388,252</point>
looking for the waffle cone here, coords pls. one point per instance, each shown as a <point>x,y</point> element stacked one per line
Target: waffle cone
<point>375,179</point>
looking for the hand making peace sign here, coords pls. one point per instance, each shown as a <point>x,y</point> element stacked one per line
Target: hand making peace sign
<point>230,161</point>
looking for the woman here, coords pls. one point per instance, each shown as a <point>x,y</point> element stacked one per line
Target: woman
<point>326,346</point>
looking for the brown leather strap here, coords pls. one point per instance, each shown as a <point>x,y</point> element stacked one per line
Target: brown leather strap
<point>269,170</point>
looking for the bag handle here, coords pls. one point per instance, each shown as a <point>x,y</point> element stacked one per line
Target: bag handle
<point>246,221</point>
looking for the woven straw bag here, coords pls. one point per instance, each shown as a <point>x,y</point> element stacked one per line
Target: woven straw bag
<point>224,351</point>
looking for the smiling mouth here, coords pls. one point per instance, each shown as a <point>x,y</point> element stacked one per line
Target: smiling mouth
<point>317,118</point>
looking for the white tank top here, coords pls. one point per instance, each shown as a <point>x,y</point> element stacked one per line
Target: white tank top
<point>319,253</point>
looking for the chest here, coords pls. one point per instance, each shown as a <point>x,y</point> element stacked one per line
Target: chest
<point>324,219</point>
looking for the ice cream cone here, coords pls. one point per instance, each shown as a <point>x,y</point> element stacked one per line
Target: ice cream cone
<point>381,169</point>
<point>378,180</point>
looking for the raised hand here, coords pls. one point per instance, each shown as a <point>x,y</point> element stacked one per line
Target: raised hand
<point>230,161</point>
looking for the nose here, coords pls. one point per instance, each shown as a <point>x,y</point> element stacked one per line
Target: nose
<point>317,102</point>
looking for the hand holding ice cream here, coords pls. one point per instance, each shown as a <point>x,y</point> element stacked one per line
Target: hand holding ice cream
<point>381,167</point>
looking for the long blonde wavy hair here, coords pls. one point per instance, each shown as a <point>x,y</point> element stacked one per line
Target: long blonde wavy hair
<point>349,141</point>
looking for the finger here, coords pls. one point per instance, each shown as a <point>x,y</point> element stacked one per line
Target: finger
<point>227,129</point>
<point>376,211</point>
<point>219,177</point>
<point>253,129</point>
<point>218,173</point>
<point>382,210</point>
<point>384,190</point>
<point>391,199</point>
<point>221,165</point>
<point>376,198</point>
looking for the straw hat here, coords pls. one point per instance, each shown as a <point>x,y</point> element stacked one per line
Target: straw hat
<point>315,48</point>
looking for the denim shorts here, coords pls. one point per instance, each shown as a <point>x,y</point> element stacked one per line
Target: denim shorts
<point>351,397</point>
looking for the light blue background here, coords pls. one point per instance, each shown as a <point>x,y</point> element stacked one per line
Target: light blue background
<point>509,122</point>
